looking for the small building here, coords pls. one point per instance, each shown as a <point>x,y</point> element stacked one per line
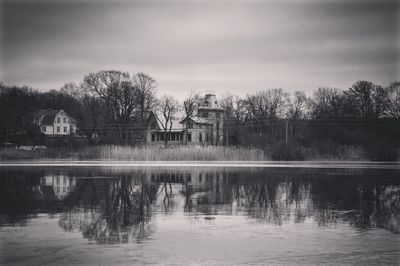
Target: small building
<point>204,128</point>
<point>55,122</point>
<point>155,132</point>
<point>61,185</point>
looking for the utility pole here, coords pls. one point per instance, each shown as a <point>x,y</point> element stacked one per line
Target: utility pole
<point>227,138</point>
<point>286,130</point>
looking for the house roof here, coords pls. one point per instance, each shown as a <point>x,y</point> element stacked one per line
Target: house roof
<point>198,120</point>
<point>176,126</point>
<point>211,108</point>
<point>47,116</point>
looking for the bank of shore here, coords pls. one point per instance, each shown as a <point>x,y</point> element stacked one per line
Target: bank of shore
<point>195,153</point>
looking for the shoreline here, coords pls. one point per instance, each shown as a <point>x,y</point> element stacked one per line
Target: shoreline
<point>241,164</point>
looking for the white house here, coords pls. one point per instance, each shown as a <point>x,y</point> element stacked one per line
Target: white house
<point>62,185</point>
<point>55,122</point>
<point>204,128</point>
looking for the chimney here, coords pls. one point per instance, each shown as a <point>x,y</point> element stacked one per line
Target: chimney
<point>211,101</point>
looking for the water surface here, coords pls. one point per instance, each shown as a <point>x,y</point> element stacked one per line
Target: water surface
<point>97,215</point>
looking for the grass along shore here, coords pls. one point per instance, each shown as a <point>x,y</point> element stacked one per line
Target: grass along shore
<point>144,153</point>
<point>278,152</point>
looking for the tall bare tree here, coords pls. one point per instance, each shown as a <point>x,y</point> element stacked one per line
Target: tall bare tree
<point>119,94</point>
<point>328,103</point>
<point>145,93</point>
<point>297,105</point>
<point>190,106</point>
<point>165,113</point>
<point>366,100</point>
<point>89,110</point>
<point>268,103</point>
<point>393,100</point>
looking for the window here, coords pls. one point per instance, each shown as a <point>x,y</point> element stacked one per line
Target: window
<point>200,137</point>
<point>64,180</point>
<point>65,120</point>
<point>207,137</point>
<point>205,114</point>
<point>58,129</point>
<point>153,125</point>
<point>218,115</point>
<point>44,129</point>
<point>153,137</point>
<point>58,120</point>
<point>158,137</point>
<point>64,189</point>
<point>216,102</point>
<point>173,136</point>
<point>189,137</point>
<point>190,125</point>
<point>65,129</point>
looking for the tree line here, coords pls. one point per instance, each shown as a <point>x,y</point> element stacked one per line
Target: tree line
<point>116,104</point>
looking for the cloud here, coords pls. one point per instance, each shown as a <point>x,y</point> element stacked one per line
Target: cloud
<point>224,45</point>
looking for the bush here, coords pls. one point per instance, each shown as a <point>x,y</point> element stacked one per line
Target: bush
<point>382,152</point>
<point>291,151</point>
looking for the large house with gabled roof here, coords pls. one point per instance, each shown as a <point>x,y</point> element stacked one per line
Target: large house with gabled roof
<point>205,128</point>
<point>55,122</point>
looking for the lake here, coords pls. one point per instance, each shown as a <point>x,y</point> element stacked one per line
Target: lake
<point>176,215</point>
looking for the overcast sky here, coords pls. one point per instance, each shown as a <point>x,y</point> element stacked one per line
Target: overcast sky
<point>235,46</point>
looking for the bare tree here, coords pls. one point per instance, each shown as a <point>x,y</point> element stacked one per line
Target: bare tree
<point>328,103</point>
<point>90,110</point>
<point>393,100</point>
<point>366,100</point>
<point>119,94</point>
<point>297,105</point>
<point>235,108</point>
<point>190,106</point>
<point>296,110</point>
<point>165,113</point>
<point>265,108</point>
<point>145,93</point>
<point>268,103</point>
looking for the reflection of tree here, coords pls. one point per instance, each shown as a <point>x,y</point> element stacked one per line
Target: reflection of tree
<point>167,199</point>
<point>113,210</point>
<point>21,196</point>
<point>374,202</point>
<point>188,193</point>
<point>271,198</point>
<point>366,200</point>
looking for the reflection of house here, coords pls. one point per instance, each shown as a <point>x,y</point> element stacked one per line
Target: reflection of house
<point>205,187</point>
<point>204,128</point>
<point>55,122</point>
<point>62,185</point>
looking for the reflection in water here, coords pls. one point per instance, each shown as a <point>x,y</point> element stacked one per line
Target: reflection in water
<point>115,205</point>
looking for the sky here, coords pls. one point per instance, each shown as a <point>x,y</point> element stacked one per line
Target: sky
<point>216,46</point>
